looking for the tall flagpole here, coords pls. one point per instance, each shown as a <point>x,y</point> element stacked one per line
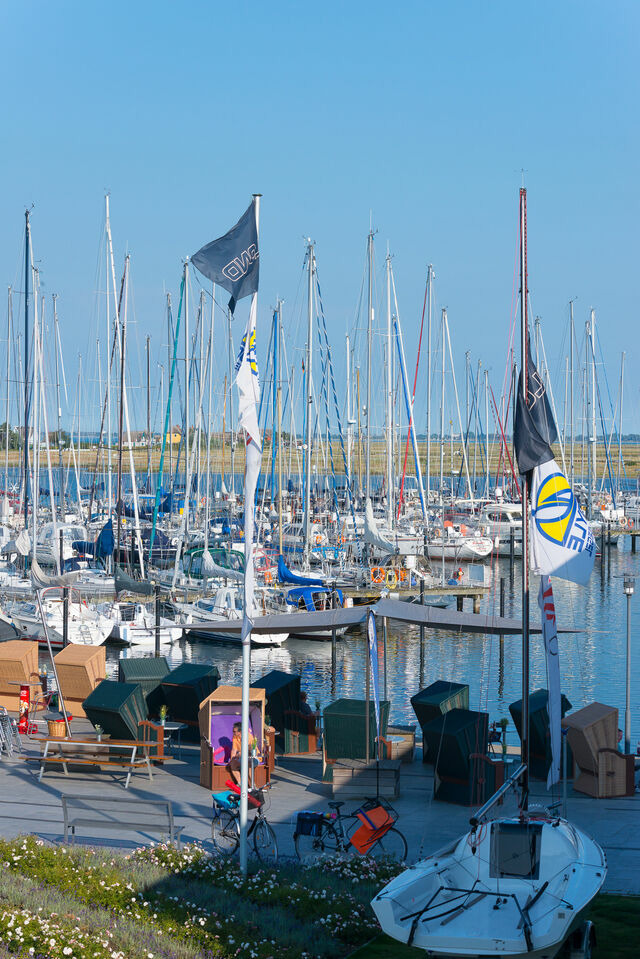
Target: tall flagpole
<point>246,627</point>
<point>525,504</point>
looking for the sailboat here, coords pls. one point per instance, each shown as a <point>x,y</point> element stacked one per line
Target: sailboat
<point>516,886</point>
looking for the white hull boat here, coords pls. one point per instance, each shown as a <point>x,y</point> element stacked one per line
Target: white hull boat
<point>457,549</point>
<point>85,626</point>
<point>512,887</point>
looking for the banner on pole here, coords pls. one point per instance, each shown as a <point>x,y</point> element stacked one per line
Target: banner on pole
<point>372,639</point>
<point>554,701</point>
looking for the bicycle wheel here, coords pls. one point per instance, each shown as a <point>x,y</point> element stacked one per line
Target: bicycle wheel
<point>392,845</point>
<point>264,841</point>
<point>309,848</point>
<point>225,832</point>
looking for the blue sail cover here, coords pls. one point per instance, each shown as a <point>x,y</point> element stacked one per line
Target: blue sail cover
<point>286,576</point>
<point>105,541</point>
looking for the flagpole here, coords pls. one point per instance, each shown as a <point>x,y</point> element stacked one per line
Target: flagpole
<point>525,505</point>
<point>246,629</point>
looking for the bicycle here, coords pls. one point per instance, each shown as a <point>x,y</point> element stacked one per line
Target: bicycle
<point>225,826</point>
<point>369,830</point>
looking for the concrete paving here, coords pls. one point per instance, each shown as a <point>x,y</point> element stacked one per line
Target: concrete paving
<point>29,806</point>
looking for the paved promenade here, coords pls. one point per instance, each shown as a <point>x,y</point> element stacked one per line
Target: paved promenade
<point>29,806</point>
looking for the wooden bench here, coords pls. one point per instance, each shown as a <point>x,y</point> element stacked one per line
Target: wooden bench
<point>72,752</point>
<point>153,816</point>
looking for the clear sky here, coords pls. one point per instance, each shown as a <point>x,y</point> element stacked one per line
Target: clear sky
<point>421,115</point>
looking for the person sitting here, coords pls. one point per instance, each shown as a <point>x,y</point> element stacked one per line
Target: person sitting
<point>233,766</point>
<point>305,708</point>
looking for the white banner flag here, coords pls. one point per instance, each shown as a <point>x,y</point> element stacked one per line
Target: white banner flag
<point>248,388</point>
<point>372,639</point>
<point>554,701</point>
<point>247,377</point>
<point>562,543</point>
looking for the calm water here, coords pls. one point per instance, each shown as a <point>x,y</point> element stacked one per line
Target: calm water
<point>592,662</point>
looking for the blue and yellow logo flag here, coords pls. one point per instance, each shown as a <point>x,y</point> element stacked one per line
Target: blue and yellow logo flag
<point>562,543</point>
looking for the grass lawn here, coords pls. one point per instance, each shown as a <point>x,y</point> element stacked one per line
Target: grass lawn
<point>616,918</point>
<point>161,903</point>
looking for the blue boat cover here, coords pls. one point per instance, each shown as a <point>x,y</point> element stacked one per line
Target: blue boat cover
<point>286,576</point>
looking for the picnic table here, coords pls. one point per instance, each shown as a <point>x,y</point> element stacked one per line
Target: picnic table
<point>126,754</point>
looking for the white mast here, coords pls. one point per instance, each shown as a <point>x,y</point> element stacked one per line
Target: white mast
<point>429,301</point>
<point>309,400</point>
<point>5,505</point>
<point>187,492</point>
<point>388,424</point>
<point>594,448</point>
<point>369,347</point>
<point>348,350</point>
<point>110,270</point>
<point>486,431</point>
<point>444,320</point>
<point>620,421</point>
<point>571,436</point>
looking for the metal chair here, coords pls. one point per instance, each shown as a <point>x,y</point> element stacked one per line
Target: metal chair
<point>9,737</point>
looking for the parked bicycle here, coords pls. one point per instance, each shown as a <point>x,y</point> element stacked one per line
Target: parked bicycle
<point>369,831</point>
<point>225,826</point>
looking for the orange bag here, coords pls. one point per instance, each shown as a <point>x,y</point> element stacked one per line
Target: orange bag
<point>375,823</point>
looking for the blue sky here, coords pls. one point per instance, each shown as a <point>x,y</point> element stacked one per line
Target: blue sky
<point>422,115</point>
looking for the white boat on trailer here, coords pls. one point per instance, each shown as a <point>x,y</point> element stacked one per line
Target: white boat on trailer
<point>513,887</point>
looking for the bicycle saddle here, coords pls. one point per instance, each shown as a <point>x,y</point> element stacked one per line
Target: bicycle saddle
<point>335,805</point>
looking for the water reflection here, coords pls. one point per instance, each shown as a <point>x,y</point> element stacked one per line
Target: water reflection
<point>592,662</point>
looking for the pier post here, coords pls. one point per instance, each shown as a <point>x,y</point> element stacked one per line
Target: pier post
<point>384,658</point>
<point>459,606</point>
<point>65,617</point>
<point>421,635</point>
<point>633,542</point>
<point>333,642</point>
<point>157,598</point>
<point>512,550</point>
<point>501,650</point>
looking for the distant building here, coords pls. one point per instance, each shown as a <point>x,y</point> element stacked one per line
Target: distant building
<point>174,436</point>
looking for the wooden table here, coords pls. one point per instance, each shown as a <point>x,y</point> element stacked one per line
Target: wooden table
<point>136,754</point>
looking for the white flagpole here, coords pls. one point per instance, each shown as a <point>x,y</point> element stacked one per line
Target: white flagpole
<point>252,451</point>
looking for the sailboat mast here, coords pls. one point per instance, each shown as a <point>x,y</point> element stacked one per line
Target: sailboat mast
<point>486,433</point>
<point>27,271</point>
<point>148,409</point>
<point>110,273</point>
<point>56,337</point>
<point>5,505</point>
<point>444,317</point>
<point>308,400</point>
<point>369,348</point>
<point>348,357</point>
<point>525,505</point>
<point>620,420</point>
<point>594,447</point>
<point>390,483</point>
<point>187,373</point>
<point>429,299</point>
<point>571,464</point>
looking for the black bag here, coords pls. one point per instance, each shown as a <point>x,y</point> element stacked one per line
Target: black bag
<point>309,824</point>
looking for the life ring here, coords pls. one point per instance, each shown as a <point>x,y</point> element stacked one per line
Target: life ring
<point>623,522</point>
<point>377,574</point>
<point>403,574</point>
<point>318,539</point>
<point>268,576</point>
<point>630,523</point>
<point>391,579</point>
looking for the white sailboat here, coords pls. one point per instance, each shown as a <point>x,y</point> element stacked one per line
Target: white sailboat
<point>514,887</point>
